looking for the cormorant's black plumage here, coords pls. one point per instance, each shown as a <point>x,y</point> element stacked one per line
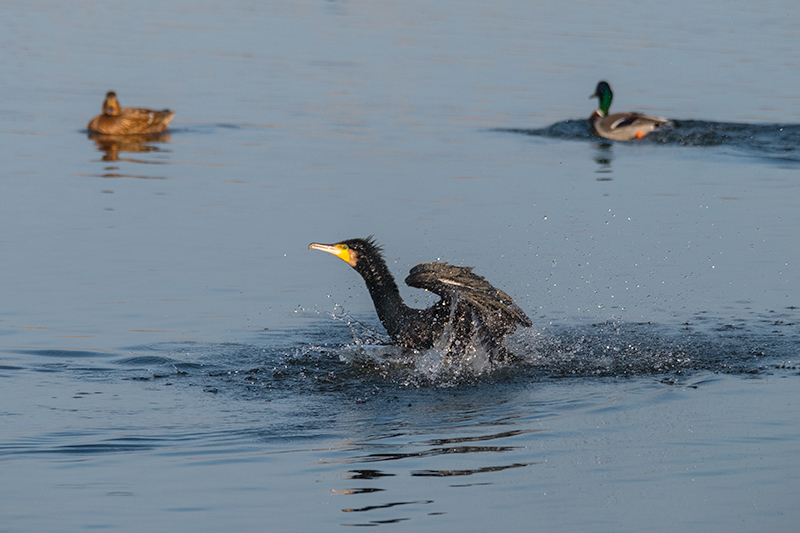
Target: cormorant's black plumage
<point>470,306</point>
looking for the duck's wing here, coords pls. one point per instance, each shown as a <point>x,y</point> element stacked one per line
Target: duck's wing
<point>140,120</point>
<point>624,120</point>
<point>491,307</point>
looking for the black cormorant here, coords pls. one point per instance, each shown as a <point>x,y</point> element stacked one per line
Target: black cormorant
<point>470,306</point>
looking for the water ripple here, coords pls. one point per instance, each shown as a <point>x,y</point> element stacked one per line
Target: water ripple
<point>63,353</point>
<point>45,446</point>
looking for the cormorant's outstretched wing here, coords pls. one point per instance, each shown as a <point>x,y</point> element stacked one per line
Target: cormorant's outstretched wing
<point>491,306</point>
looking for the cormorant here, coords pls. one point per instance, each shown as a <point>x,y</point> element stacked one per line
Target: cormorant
<point>470,306</point>
<point>620,126</point>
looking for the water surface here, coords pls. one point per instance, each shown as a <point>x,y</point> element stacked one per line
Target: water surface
<point>172,357</point>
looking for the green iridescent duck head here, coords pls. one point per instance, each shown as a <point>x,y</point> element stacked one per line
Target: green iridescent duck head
<point>604,96</point>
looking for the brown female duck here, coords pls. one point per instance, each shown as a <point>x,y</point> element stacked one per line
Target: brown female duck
<point>116,120</point>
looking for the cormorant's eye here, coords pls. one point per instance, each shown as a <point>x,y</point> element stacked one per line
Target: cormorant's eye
<point>344,247</point>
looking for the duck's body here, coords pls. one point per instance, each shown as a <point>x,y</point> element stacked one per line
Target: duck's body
<point>625,126</point>
<point>116,120</point>
<point>470,307</point>
<point>620,126</point>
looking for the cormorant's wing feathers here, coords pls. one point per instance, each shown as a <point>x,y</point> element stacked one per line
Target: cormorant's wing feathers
<point>491,306</point>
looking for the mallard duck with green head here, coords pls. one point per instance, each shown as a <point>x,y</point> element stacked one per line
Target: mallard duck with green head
<point>620,126</point>
<point>116,120</point>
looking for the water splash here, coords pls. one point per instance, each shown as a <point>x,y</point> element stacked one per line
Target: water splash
<point>346,356</point>
<point>450,360</point>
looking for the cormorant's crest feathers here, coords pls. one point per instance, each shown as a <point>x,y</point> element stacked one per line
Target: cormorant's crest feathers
<point>367,246</point>
<point>370,242</point>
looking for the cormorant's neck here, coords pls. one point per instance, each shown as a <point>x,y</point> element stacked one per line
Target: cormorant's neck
<point>384,291</point>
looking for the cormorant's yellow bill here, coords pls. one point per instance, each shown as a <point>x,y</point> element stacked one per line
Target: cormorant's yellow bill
<point>342,251</point>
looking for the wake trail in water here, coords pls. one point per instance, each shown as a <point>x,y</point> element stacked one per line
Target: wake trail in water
<point>775,141</point>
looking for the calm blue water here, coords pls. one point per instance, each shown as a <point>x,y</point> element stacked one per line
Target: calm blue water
<point>172,357</point>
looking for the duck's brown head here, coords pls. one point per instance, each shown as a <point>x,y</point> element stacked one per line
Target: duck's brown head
<point>111,105</point>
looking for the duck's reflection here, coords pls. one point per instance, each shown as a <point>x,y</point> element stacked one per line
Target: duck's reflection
<point>603,157</point>
<point>114,145</point>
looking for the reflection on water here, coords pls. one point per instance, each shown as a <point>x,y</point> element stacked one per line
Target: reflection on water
<point>603,157</point>
<point>114,145</point>
<point>467,472</point>
<point>367,474</point>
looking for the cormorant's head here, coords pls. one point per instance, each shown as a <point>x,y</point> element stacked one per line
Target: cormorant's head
<point>604,96</point>
<point>111,105</point>
<point>354,252</point>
